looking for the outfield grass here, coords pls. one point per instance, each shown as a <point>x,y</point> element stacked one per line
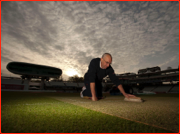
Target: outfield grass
<point>23,112</point>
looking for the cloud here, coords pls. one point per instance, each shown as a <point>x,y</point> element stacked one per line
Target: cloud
<point>69,34</point>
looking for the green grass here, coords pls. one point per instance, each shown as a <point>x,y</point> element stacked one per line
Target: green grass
<point>23,112</point>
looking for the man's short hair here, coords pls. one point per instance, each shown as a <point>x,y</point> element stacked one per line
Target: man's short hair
<point>106,54</point>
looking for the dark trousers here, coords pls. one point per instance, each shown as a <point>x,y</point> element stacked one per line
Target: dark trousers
<point>98,89</point>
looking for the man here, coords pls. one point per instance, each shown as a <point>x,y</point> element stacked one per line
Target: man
<point>98,69</point>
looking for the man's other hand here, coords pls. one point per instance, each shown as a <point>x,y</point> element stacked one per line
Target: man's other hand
<point>94,98</point>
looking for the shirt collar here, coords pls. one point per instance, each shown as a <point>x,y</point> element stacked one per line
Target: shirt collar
<point>100,65</point>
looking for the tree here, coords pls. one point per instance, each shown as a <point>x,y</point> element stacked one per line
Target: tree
<point>76,78</point>
<point>61,78</point>
<point>57,79</point>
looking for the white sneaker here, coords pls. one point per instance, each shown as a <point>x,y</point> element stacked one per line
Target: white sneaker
<point>81,93</point>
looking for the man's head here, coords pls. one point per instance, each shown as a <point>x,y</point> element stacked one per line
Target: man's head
<point>106,60</point>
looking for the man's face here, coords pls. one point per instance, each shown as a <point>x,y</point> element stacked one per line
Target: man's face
<point>105,62</point>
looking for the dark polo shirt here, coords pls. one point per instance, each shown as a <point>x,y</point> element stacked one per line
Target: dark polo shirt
<point>96,74</point>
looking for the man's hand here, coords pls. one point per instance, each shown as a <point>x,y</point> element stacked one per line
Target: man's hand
<point>123,92</point>
<point>129,95</point>
<point>93,92</point>
<point>94,98</point>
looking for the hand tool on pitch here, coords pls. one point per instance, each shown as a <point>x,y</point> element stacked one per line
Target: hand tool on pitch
<point>133,99</point>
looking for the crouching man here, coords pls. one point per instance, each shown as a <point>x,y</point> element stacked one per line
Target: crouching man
<point>98,69</point>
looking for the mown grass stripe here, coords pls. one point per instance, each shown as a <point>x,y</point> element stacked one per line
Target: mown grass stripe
<point>127,119</point>
<point>142,123</point>
<point>160,110</point>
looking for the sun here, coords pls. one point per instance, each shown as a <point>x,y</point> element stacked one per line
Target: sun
<point>72,72</point>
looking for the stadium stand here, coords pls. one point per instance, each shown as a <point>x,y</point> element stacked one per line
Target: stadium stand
<point>135,90</point>
<point>151,88</point>
<point>55,83</point>
<point>71,85</point>
<point>175,89</point>
<point>80,85</point>
<point>163,89</point>
<point>14,84</point>
<point>11,81</point>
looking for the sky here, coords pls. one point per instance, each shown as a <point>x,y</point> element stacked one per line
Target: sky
<point>69,34</point>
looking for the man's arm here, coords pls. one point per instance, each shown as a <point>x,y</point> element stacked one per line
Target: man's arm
<point>93,92</point>
<point>116,81</point>
<point>121,89</point>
